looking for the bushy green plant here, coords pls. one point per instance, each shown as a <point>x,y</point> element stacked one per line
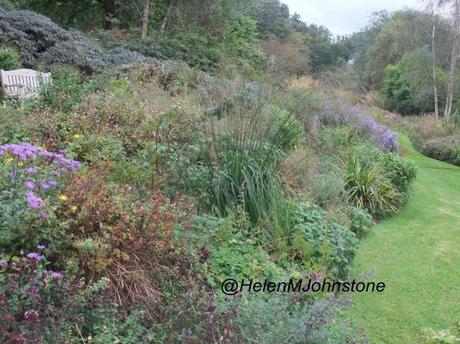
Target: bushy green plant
<point>281,318</point>
<point>230,250</point>
<point>361,221</point>
<point>9,59</point>
<point>95,148</point>
<point>68,89</point>
<point>445,149</point>
<point>323,241</point>
<point>14,127</point>
<point>401,172</point>
<point>326,188</point>
<point>337,140</point>
<point>31,182</point>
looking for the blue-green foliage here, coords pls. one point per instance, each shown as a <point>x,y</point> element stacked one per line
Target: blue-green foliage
<point>323,241</point>
<point>280,318</point>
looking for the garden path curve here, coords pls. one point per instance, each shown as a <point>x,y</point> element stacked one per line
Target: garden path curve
<point>417,254</point>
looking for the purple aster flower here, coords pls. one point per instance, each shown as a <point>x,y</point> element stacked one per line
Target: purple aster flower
<point>42,215</point>
<point>48,184</point>
<point>340,113</point>
<point>55,274</point>
<point>41,247</point>
<point>3,263</point>
<point>35,256</point>
<point>34,201</point>
<point>30,185</point>
<point>31,170</point>
<point>31,315</point>
<point>23,150</point>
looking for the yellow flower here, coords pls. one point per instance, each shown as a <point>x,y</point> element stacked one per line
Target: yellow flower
<point>296,275</point>
<point>77,136</point>
<point>8,161</point>
<point>63,198</point>
<point>20,163</point>
<point>73,209</point>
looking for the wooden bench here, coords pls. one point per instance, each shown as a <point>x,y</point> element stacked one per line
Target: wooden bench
<point>23,83</point>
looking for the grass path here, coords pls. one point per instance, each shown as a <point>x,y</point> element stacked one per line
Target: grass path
<point>417,254</point>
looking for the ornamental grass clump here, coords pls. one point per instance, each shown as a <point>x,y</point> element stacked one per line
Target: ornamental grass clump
<point>249,140</point>
<point>367,188</point>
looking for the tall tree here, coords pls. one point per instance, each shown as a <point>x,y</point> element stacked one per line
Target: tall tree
<point>455,52</point>
<point>432,7</point>
<point>167,15</point>
<point>145,19</point>
<point>109,13</point>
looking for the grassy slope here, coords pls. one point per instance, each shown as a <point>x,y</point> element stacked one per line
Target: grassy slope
<point>417,255</point>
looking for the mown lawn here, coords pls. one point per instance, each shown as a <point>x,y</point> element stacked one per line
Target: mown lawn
<point>417,254</point>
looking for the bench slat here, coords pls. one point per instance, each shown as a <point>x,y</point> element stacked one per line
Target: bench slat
<point>23,83</point>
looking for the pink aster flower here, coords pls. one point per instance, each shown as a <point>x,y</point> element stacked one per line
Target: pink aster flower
<point>31,315</point>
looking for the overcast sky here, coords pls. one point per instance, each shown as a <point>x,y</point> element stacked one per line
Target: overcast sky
<point>344,16</point>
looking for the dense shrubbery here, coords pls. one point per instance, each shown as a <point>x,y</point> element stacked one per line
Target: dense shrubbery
<point>408,85</point>
<point>39,40</point>
<point>318,322</point>
<point>149,158</point>
<point>443,148</point>
<point>9,59</point>
<point>31,182</point>
<point>69,88</point>
<point>237,53</point>
<point>39,305</point>
<point>323,241</point>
